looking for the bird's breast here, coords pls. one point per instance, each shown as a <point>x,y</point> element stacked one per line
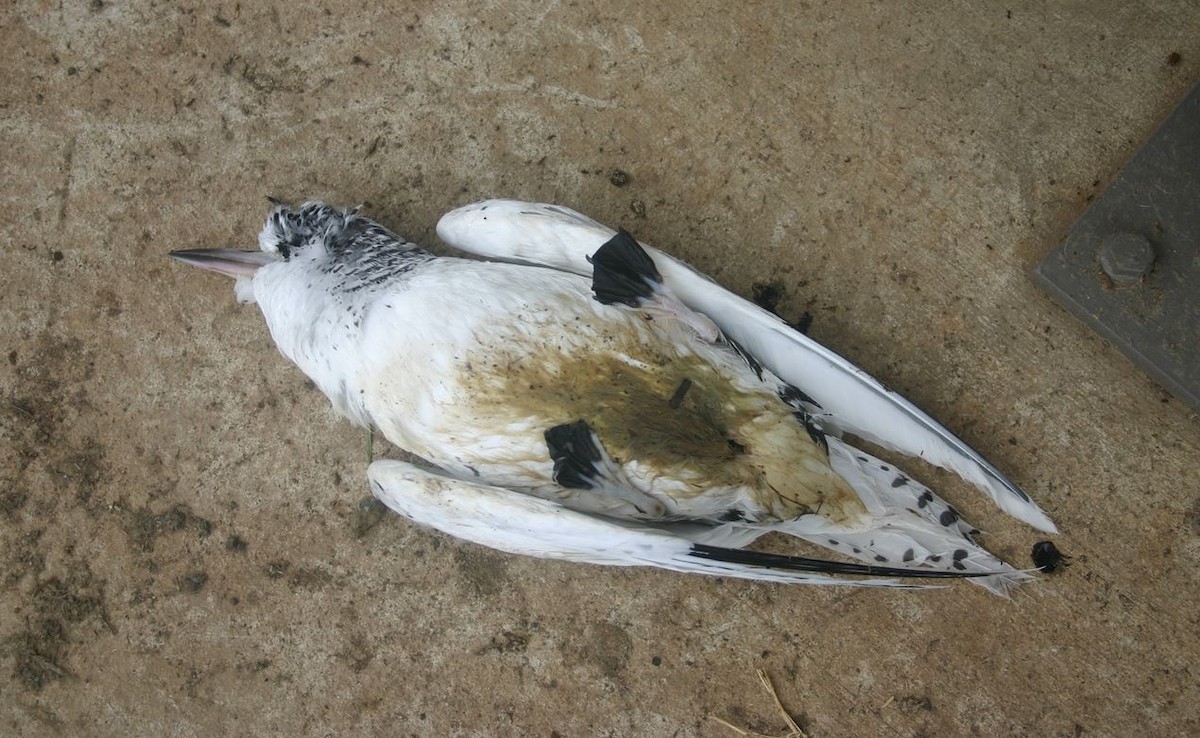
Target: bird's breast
<point>649,402</point>
<point>476,384</point>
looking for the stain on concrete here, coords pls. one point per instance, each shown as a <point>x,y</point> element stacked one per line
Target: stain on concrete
<point>605,646</point>
<point>60,609</point>
<point>484,572</point>
<point>144,527</point>
<point>369,513</point>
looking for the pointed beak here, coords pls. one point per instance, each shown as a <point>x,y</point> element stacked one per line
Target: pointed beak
<point>230,262</point>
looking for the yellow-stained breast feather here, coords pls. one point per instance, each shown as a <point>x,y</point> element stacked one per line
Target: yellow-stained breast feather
<point>568,358</point>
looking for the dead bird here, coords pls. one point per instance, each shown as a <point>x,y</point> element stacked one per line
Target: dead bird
<point>584,397</point>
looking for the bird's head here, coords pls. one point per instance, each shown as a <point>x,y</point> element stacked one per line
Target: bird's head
<point>289,233</point>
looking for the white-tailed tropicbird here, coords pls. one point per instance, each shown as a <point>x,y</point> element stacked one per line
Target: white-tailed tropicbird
<point>588,398</point>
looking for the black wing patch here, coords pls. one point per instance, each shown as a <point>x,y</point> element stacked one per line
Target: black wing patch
<point>622,272</point>
<point>574,452</point>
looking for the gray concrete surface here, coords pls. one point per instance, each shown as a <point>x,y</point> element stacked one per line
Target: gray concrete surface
<point>183,551</point>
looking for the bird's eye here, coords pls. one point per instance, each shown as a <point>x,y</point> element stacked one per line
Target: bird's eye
<point>290,245</point>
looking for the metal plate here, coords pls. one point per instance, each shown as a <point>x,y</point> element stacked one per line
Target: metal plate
<point>1154,317</point>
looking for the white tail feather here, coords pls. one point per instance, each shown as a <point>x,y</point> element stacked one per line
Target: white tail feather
<point>911,527</point>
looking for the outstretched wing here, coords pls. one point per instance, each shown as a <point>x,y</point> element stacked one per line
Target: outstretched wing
<point>518,523</point>
<point>850,399</point>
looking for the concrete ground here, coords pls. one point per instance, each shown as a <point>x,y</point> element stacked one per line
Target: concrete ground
<point>184,546</point>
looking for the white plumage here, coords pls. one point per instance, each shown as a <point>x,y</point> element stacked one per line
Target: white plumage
<point>852,400</point>
<point>593,411</point>
<point>502,519</point>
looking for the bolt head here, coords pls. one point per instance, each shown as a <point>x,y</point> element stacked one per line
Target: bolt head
<point>1126,257</point>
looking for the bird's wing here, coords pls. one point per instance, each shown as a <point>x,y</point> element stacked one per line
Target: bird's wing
<point>517,523</point>
<point>850,399</point>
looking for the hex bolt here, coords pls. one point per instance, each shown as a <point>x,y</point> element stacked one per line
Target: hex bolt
<point>1126,257</point>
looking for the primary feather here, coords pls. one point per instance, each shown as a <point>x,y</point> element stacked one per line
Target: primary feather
<point>509,521</point>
